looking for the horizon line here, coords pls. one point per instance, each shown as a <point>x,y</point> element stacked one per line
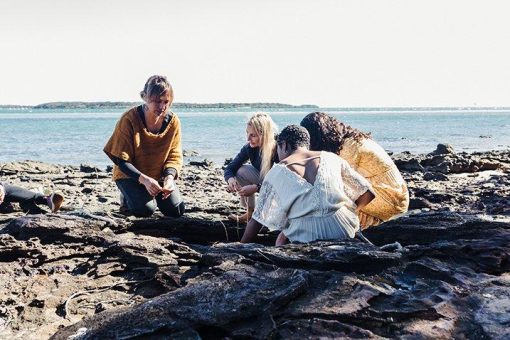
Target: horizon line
<point>121,103</point>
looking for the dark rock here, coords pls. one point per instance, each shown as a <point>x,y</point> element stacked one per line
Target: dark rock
<point>434,160</point>
<point>37,303</point>
<point>408,165</point>
<point>435,176</point>
<point>316,328</point>
<point>203,164</point>
<point>231,293</point>
<point>346,287</point>
<point>443,149</point>
<point>89,168</point>
<point>227,161</point>
<point>419,203</point>
<point>437,274</point>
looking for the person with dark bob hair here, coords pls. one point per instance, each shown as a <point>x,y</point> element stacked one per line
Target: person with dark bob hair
<point>309,195</point>
<point>145,148</point>
<point>366,157</point>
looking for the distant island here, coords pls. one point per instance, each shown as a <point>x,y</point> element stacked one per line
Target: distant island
<point>238,106</point>
<point>124,105</point>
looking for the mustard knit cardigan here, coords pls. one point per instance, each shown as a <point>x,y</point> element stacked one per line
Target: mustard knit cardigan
<point>148,152</point>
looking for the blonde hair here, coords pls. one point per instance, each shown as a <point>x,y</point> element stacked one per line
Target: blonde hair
<point>266,129</point>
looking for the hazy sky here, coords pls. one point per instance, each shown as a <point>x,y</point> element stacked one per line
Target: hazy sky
<point>329,53</point>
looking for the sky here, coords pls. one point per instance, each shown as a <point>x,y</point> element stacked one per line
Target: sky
<point>332,53</point>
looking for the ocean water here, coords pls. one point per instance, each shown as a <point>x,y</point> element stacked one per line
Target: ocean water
<point>75,137</point>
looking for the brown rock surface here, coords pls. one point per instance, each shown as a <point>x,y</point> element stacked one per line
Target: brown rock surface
<point>90,272</point>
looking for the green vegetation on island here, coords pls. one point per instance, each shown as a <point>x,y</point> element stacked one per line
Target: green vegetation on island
<point>124,105</point>
<point>236,106</point>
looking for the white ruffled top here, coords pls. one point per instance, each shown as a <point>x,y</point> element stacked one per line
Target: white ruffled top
<point>307,212</point>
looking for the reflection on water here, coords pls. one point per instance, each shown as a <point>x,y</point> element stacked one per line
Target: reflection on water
<point>78,137</point>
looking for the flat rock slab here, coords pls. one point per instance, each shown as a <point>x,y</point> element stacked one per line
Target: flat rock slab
<point>442,289</point>
<point>230,293</point>
<point>91,272</point>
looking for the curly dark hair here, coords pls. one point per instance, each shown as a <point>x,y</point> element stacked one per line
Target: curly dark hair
<point>295,136</point>
<point>328,133</point>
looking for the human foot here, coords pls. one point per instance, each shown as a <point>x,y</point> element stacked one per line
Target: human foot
<point>55,201</point>
<point>244,218</point>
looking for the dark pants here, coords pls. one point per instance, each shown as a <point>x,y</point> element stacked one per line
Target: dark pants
<point>141,204</point>
<point>27,199</point>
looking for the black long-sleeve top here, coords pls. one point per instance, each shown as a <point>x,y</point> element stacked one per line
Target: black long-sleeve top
<point>246,153</point>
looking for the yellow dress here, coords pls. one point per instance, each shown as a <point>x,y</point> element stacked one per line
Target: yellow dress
<point>372,162</point>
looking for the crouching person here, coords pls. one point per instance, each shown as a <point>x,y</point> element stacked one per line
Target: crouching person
<point>309,195</point>
<point>145,148</point>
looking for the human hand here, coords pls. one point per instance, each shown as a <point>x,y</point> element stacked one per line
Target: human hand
<point>152,186</point>
<point>168,186</point>
<point>2,193</point>
<point>232,185</point>
<point>248,190</point>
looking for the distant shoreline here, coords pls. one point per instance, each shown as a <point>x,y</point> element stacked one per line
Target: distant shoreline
<point>124,105</point>
<point>223,106</point>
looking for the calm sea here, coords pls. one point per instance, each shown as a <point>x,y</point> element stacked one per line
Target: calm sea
<point>75,137</point>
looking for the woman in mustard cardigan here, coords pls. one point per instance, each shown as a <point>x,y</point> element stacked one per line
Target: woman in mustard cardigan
<point>145,148</point>
<point>366,157</point>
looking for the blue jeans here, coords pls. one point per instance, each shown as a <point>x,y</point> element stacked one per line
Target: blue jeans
<point>141,204</point>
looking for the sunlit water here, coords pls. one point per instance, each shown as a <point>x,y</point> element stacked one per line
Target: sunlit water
<point>75,137</point>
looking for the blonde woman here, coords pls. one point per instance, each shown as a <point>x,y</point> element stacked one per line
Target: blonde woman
<point>246,179</point>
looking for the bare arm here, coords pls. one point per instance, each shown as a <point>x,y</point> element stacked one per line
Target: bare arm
<point>251,231</point>
<point>364,199</point>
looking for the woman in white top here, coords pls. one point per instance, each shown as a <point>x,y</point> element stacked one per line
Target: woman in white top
<point>304,197</point>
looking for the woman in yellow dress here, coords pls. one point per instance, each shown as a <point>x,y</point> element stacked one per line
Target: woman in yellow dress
<point>366,157</point>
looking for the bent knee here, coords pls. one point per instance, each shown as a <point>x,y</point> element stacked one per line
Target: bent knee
<point>176,211</point>
<point>247,173</point>
<point>143,210</point>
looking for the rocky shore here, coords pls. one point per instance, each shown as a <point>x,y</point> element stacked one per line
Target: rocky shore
<point>87,272</point>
